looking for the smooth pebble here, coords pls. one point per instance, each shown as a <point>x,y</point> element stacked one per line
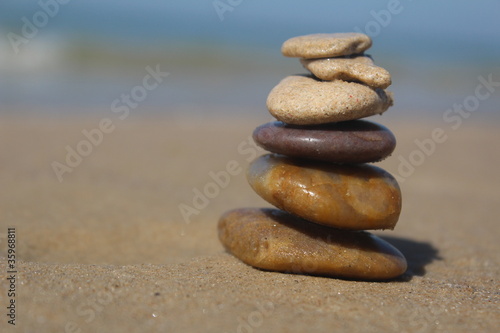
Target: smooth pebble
<point>274,240</point>
<point>355,141</point>
<point>355,197</point>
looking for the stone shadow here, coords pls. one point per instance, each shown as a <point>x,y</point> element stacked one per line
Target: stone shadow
<point>418,255</point>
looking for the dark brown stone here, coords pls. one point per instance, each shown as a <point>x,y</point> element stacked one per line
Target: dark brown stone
<point>356,141</point>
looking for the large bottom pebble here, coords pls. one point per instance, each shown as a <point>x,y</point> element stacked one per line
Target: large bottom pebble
<point>274,240</point>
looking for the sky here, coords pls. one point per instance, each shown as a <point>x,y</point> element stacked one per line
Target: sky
<point>435,49</point>
<point>198,19</point>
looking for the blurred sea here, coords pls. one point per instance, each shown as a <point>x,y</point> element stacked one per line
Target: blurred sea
<point>92,51</point>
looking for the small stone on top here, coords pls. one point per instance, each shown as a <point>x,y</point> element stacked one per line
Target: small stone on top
<point>351,68</point>
<point>326,45</point>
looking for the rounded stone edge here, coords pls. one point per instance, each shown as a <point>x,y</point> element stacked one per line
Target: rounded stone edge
<point>390,254</point>
<point>369,74</point>
<point>279,106</point>
<point>270,162</point>
<point>269,145</point>
<point>314,46</point>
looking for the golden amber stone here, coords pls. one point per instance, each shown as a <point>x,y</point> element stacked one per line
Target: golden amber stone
<point>275,240</point>
<point>356,197</point>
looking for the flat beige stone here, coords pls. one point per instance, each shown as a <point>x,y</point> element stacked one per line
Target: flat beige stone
<point>326,45</point>
<point>356,68</point>
<point>274,240</point>
<point>355,197</point>
<point>303,100</point>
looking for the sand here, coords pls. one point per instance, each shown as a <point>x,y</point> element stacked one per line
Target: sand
<point>107,249</point>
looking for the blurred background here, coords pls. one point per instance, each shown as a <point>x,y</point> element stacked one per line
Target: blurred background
<point>73,56</point>
<point>121,200</point>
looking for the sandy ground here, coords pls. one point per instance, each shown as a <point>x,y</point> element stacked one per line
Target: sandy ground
<point>108,250</point>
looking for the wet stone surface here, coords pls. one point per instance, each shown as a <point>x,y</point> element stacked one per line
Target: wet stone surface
<point>356,197</point>
<point>274,240</point>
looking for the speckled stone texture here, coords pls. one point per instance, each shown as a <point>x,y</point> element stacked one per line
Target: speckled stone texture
<point>326,45</point>
<point>304,100</point>
<point>356,197</point>
<point>274,240</point>
<point>358,68</point>
<point>354,141</point>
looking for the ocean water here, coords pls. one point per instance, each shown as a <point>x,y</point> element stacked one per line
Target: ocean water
<point>86,54</point>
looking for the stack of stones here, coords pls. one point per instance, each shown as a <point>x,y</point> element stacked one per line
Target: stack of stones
<point>317,173</point>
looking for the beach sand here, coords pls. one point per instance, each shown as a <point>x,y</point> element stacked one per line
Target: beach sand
<point>108,250</point>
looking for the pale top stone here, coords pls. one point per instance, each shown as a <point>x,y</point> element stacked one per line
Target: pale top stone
<point>274,240</point>
<point>354,68</point>
<point>303,100</point>
<point>326,45</point>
